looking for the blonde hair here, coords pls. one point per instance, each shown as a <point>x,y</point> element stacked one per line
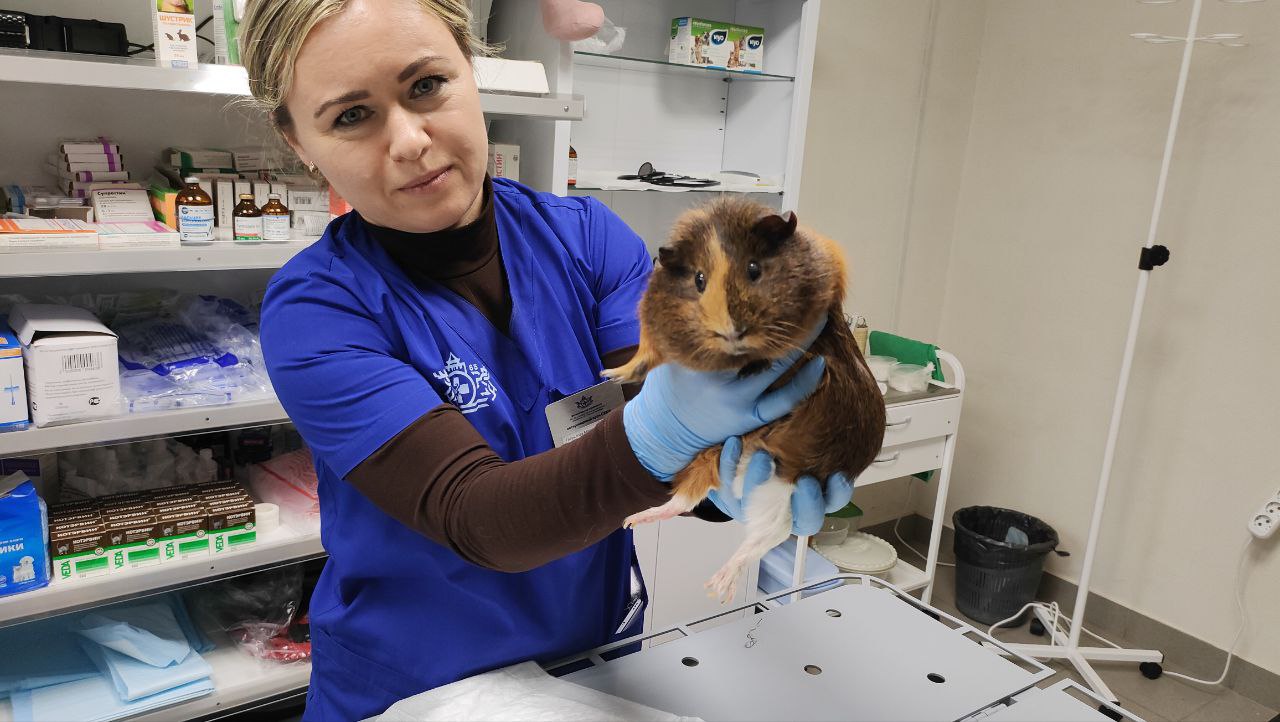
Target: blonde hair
<point>272,33</point>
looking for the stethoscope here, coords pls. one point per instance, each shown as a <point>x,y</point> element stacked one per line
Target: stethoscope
<point>647,174</point>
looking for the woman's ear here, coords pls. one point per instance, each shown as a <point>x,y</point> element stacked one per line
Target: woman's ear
<point>284,126</point>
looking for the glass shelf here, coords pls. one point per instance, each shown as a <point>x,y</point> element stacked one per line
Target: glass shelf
<point>627,63</point>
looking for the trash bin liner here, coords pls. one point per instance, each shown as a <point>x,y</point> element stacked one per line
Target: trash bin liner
<point>995,578</point>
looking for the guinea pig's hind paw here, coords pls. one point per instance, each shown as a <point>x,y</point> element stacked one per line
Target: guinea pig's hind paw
<point>724,585</point>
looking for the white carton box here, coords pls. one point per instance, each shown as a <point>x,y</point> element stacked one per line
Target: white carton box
<point>224,200</point>
<point>504,161</point>
<point>307,198</point>
<point>121,205</point>
<point>71,363</point>
<point>174,33</point>
<point>135,235</point>
<point>13,390</point>
<point>261,189</point>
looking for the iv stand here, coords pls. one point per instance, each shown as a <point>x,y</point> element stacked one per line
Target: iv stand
<point>1068,646</point>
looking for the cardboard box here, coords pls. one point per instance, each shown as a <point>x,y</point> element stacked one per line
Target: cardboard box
<point>101,145</point>
<point>312,223</point>
<point>84,188</point>
<point>504,161</point>
<point>132,540</point>
<point>78,550</point>
<point>164,203</point>
<point>184,533</point>
<point>224,199</point>
<point>71,363</point>
<point>151,234</point>
<point>87,176</point>
<point>307,198</point>
<point>248,158</point>
<point>190,159</point>
<point>13,388</point>
<point>714,44</point>
<point>261,189</point>
<point>173,31</point>
<point>120,205</point>
<point>232,526</point>
<point>108,158</point>
<point>39,234</point>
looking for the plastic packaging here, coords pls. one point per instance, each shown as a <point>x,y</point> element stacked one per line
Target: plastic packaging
<point>910,377</point>
<point>833,532</point>
<point>24,527</point>
<point>289,481</point>
<point>607,40</point>
<point>881,366</point>
<point>259,611</point>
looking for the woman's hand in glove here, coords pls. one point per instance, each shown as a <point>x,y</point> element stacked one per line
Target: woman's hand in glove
<point>810,501</point>
<point>680,412</point>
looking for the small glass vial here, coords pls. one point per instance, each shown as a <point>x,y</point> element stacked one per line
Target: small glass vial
<point>275,220</point>
<point>195,214</point>
<point>247,220</point>
<point>573,167</point>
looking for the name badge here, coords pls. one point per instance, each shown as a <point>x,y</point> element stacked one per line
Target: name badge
<point>574,415</point>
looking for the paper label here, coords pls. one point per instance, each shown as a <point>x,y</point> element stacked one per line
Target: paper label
<point>275,228</point>
<point>248,228</point>
<point>195,223</point>
<point>574,415</point>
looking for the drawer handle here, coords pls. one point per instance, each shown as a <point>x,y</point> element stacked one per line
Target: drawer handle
<point>904,422</point>
<point>889,460</point>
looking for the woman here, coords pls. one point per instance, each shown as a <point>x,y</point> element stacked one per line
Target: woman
<point>416,345</point>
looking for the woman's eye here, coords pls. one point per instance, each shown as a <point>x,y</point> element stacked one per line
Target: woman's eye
<point>700,281</point>
<point>427,86</point>
<point>350,117</point>
<point>753,270</point>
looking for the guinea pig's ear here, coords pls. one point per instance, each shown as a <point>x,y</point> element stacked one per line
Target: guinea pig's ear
<point>776,229</point>
<point>670,260</point>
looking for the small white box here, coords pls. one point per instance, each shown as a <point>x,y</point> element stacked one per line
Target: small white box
<point>174,34</point>
<point>260,190</point>
<point>39,234</point>
<point>71,363</point>
<point>120,205</point>
<point>224,200</point>
<point>311,223</point>
<point>101,145</point>
<point>13,387</point>
<point>504,161</point>
<point>248,158</point>
<point>241,187</point>
<point>307,198</point>
<point>144,234</point>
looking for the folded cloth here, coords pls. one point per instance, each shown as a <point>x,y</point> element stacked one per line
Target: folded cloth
<point>906,350</point>
<point>134,680</point>
<point>521,692</point>
<point>195,636</point>
<point>94,699</point>
<point>149,633</point>
<point>60,658</point>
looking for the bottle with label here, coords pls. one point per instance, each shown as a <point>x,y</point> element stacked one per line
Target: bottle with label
<point>247,219</point>
<point>275,220</point>
<point>195,214</point>
<point>573,167</point>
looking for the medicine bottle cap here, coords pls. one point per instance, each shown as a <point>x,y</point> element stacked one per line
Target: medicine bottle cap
<point>190,180</point>
<point>273,196</point>
<point>246,196</point>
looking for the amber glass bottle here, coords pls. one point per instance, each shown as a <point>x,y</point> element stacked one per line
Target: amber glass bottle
<point>247,220</point>
<point>275,220</point>
<point>195,214</point>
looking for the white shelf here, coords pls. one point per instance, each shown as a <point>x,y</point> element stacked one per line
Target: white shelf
<point>905,576</point>
<point>661,65</point>
<point>36,66</point>
<point>141,426</point>
<point>282,546</point>
<point>594,180</point>
<point>238,679</point>
<point>215,257</point>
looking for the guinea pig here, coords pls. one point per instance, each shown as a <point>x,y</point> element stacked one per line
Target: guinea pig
<point>736,287</point>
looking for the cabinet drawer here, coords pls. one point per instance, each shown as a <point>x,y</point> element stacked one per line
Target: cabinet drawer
<point>915,422</point>
<point>902,460</point>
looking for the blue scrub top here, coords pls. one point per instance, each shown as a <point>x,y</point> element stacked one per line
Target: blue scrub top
<point>358,351</point>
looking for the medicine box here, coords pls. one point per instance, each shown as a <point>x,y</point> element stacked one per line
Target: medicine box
<point>224,199</point>
<point>189,159</point>
<point>173,30</point>
<point>135,235</point>
<point>13,385</point>
<point>307,198</point>
<point>116,205</point>
<point>71,363</point>
<point>504,161</point>
<point>38,234</point>
<point>101,145</point>
<point>714,44</point>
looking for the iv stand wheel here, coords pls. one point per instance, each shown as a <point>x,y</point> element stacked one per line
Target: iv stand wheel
<point>1151,670</point>
<point>1104,709</point>
<point>1037,627</point>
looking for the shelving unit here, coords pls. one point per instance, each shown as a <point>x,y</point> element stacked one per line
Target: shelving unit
<point>214,257</point>
<point>48,68</point>
<point>598,60</point>
<point>137,427</point>
<point>277,548</point>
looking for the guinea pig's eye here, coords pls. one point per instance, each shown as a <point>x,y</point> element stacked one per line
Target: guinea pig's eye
<point>753,270</point>
<point>700,281</point>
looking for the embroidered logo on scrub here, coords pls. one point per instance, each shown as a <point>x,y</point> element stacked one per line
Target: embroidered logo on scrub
<point>469,387</point>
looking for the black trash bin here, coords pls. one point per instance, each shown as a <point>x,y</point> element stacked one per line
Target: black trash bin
<point>994,578</point>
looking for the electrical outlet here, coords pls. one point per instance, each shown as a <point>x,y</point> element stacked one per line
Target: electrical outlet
<point>1267,519</point>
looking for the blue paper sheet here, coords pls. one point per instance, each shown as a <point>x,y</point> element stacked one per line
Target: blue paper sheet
<point>147,632</point>
<point>195,637</point>
<point>94,700</point>
<point>134,680</point>
<point>59,658</point>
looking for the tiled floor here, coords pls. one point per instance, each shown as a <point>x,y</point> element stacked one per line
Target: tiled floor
<point>1160,700</point>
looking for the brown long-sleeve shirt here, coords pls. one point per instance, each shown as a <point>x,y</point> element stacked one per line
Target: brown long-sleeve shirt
<point>439,476</point>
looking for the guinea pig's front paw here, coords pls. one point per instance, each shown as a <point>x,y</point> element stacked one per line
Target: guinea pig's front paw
<point>629,373</point>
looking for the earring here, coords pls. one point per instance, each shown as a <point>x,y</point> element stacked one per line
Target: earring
<point>311,167</point>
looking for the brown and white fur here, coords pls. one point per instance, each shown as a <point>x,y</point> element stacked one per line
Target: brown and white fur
<point>736,287</point>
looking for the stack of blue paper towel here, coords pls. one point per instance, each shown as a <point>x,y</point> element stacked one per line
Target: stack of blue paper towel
<point>105,664</point>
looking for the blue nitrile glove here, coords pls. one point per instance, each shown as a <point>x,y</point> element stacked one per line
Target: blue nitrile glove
<point>680,412</point>
<point>809,503</point>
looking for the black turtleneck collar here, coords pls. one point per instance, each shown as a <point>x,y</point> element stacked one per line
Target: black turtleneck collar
<point>446,254</point>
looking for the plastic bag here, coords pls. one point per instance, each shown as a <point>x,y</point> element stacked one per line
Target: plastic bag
<point>259,612</point>
<point>607,40</point>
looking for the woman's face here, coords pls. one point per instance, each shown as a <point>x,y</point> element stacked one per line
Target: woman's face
<point>384,103</point>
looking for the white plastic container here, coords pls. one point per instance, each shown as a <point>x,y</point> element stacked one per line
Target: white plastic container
<point>910,377</point>
<point>881,366</point>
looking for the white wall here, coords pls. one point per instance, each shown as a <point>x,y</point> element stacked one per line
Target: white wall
<point>1063,150</point>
